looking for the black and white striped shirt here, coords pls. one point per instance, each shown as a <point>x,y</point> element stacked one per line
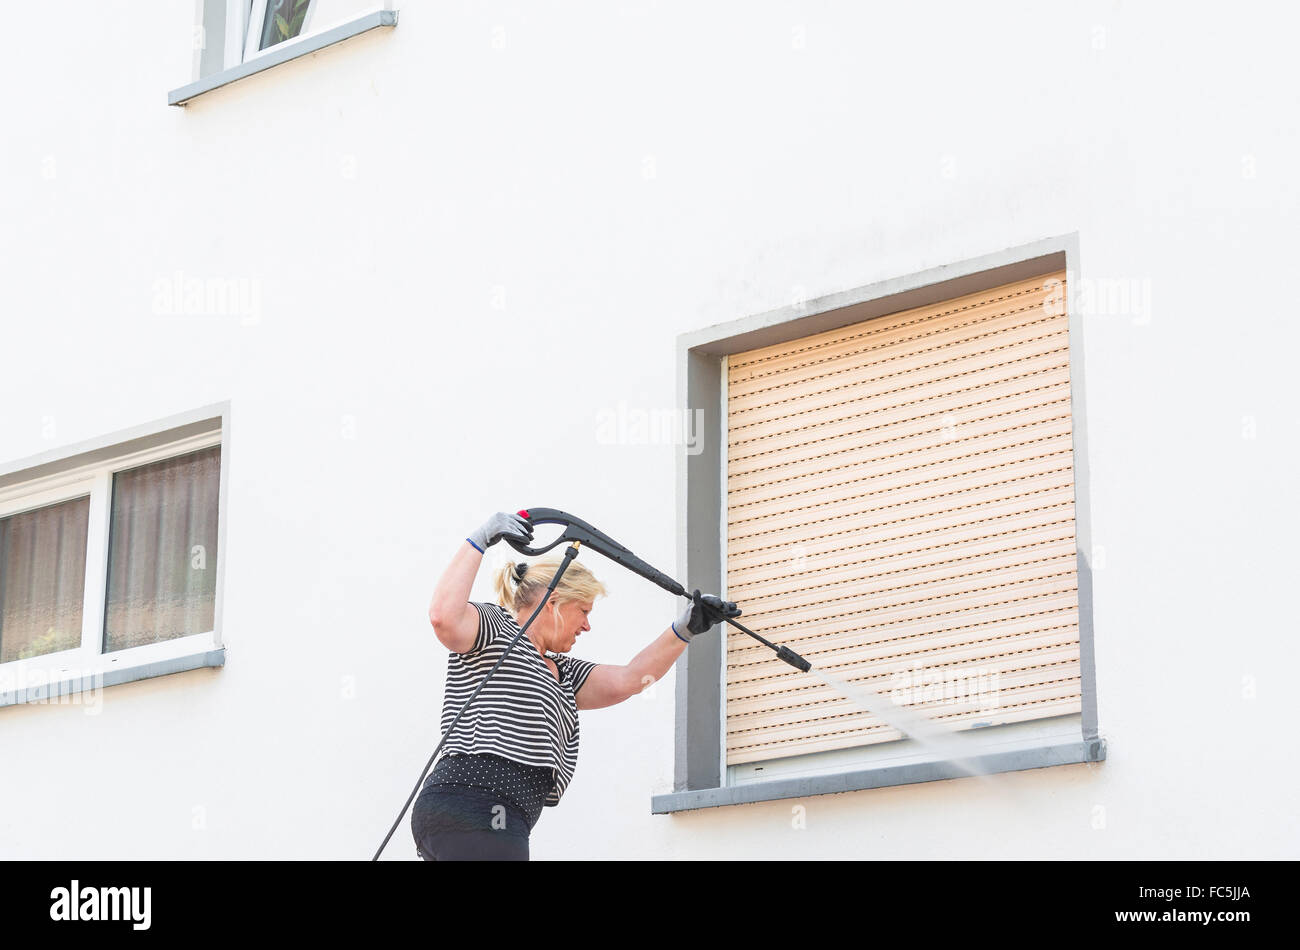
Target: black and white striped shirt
<point>523,713</point>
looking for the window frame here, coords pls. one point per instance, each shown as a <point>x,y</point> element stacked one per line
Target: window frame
<point>87,469</point>
<point>254,18</point>
<point>238,63</point>
<point>701,776</point>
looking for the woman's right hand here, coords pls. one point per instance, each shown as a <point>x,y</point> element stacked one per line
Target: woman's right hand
<point>503,524</point>
<point>455,620</point>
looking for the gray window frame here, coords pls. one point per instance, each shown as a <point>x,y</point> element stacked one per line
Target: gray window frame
<point>312,43</point>
<point>699,766</point>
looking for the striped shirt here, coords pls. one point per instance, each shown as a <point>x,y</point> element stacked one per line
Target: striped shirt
<point>523,713</point>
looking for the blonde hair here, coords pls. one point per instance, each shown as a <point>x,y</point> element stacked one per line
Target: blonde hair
<point>516,593</point>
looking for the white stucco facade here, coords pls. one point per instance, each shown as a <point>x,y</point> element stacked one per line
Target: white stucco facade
<point>469,241</point>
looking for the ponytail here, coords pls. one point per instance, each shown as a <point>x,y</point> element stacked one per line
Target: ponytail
<point>519,584</point>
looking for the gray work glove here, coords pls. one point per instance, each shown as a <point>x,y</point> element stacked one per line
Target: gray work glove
<point>703,614</point>
<point>503,524</point>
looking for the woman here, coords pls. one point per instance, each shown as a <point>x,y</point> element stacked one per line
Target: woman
<point>515,749</point>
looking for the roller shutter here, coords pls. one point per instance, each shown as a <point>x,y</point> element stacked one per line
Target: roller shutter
<point>900,510</point>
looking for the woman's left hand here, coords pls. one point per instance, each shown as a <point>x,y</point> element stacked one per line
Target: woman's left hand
<point>703,614</point>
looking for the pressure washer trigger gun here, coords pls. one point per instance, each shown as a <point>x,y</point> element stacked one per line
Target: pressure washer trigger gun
<point>575,529</point>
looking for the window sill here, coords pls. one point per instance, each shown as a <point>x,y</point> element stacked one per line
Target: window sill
<point>51,682</point>
<point>282,53</point>
<point>1060,753</point>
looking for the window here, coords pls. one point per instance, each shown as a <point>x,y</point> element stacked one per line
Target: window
<point>110,561</point>
<point>273,21</point>
<point>233,39</point>
<point>900,489</point>
<point>236,31</point>
<point>163,530</point>
<point>42,579</point>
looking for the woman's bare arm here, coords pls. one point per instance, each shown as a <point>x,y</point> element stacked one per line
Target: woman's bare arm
<point>455,622</point>
<point>609,683</point>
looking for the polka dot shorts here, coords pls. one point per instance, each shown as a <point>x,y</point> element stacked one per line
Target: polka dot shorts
<point>514,784</point>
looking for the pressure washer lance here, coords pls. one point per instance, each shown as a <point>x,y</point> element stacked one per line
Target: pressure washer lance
<point>577,532</point>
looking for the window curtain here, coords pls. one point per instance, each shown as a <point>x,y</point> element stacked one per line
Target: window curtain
<point>162,560</point>
<point>42,579</point>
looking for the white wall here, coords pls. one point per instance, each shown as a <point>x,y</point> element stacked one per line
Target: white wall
<point>619,173</point>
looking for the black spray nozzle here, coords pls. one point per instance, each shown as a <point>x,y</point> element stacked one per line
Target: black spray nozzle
<point>783,653</point>
<point>794,659</point>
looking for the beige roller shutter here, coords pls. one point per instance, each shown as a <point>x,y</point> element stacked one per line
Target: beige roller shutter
<point>900,510</point>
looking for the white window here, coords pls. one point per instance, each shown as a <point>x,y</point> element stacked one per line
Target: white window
<point>109,564</point>
<point>231,32</point>
<point>265,24</point>
<point>233,39</point>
